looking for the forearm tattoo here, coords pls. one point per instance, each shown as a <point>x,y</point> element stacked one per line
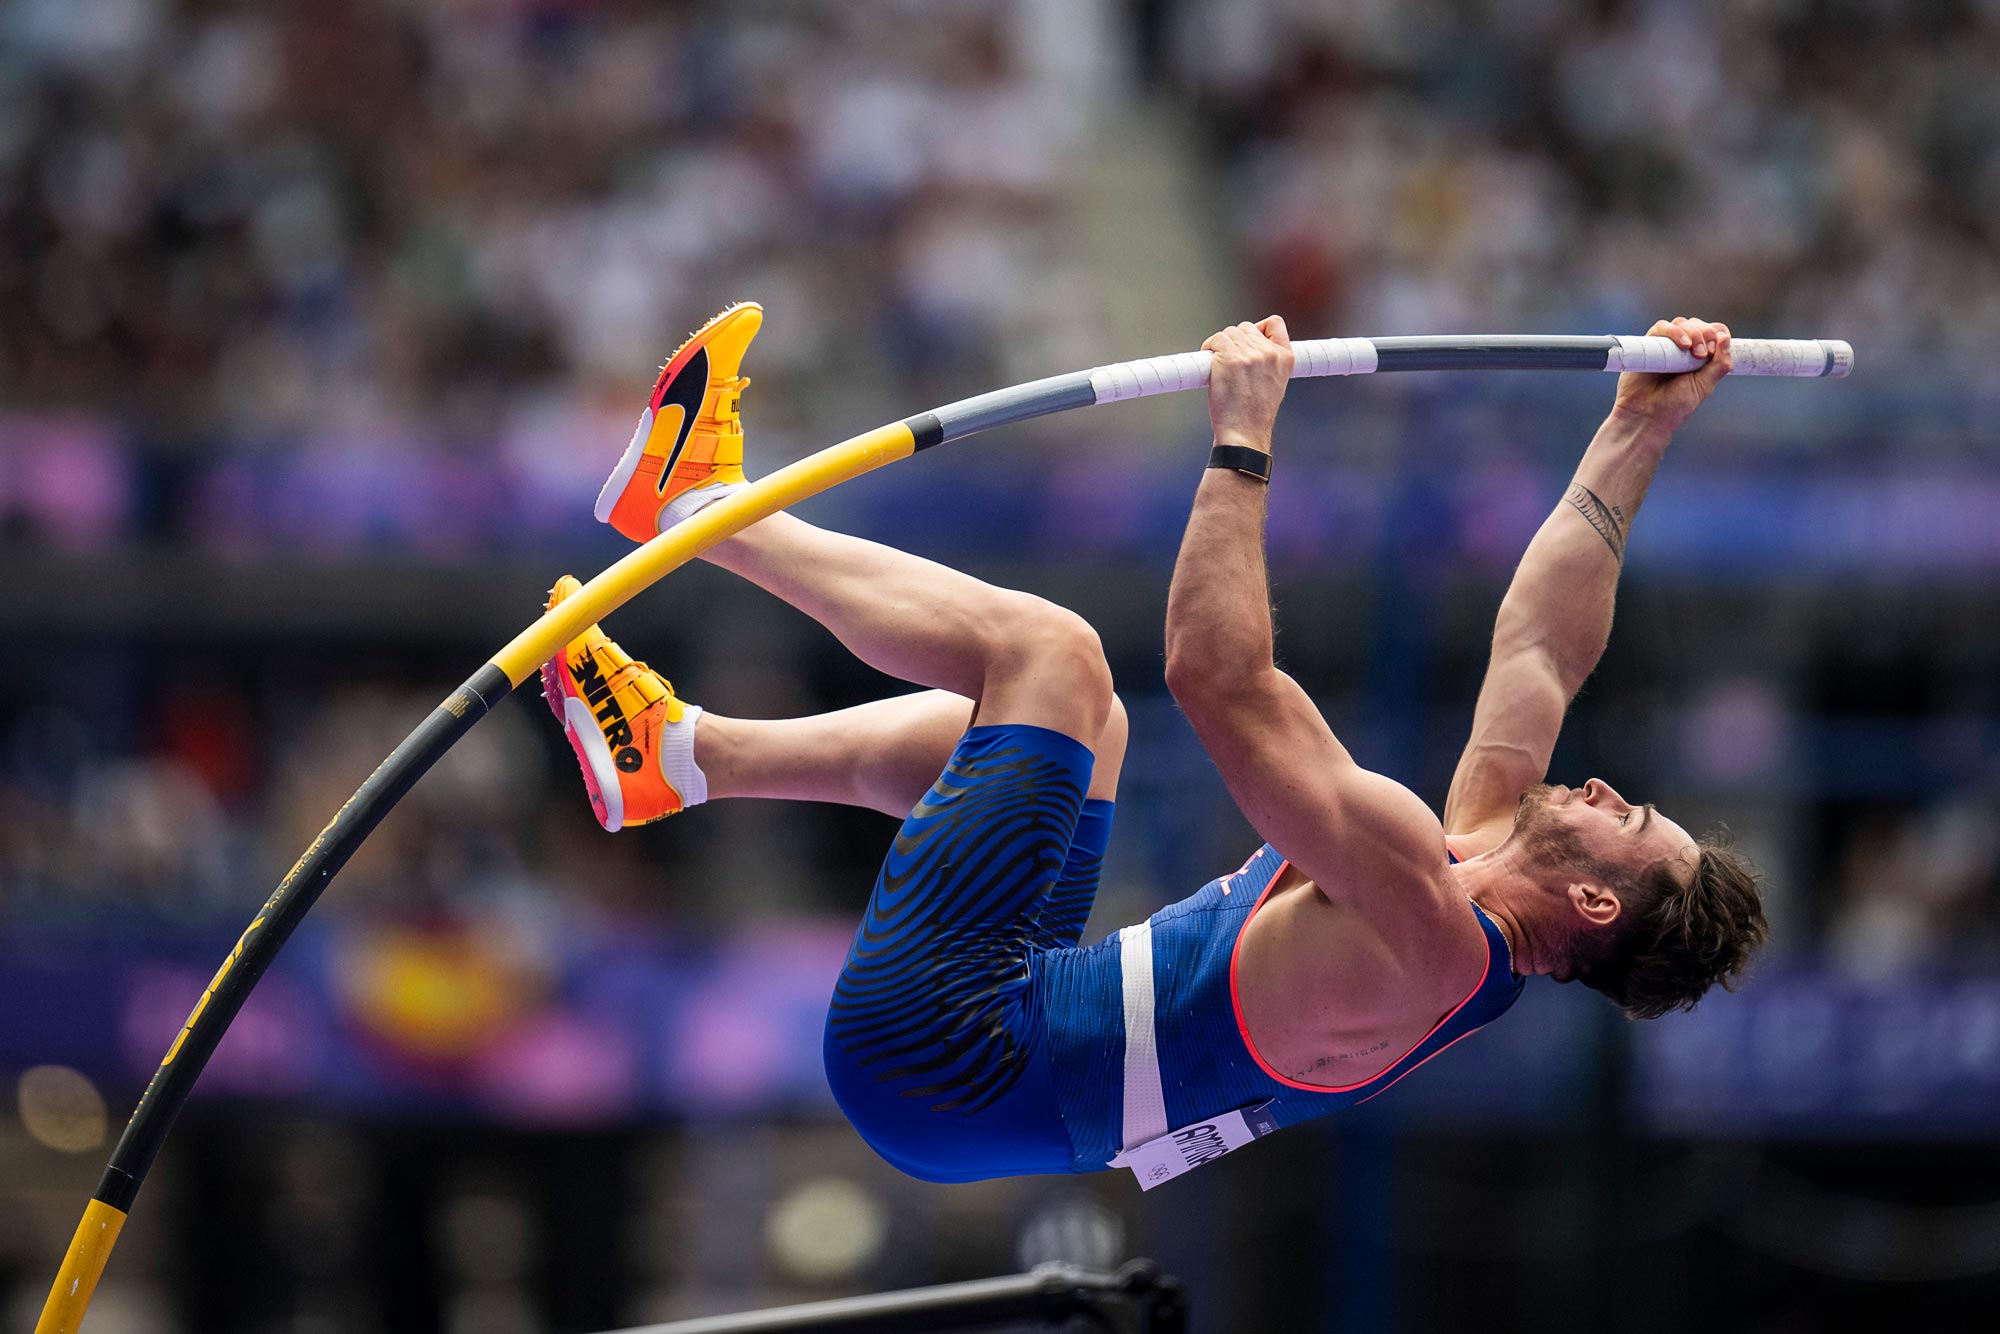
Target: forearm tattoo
<point>1608,520</point>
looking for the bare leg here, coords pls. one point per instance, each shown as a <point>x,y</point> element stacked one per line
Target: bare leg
<point>1023,660</point>
<point>882,755</point>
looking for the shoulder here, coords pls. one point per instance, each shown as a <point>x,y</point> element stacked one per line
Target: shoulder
<point>1384,846</point>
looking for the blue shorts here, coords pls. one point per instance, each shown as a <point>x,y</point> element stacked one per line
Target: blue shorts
<point>935,1044</point>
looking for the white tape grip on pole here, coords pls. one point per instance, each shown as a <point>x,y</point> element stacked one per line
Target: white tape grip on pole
<point>1793,358</point>
<point>1649,355</point>
<point>1153,375</point>
<point>1333,356</point>
<point>1189,370</point>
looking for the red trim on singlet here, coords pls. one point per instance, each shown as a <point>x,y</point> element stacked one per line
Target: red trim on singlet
<point>1420,1064</point>
<point>1243,1029</point>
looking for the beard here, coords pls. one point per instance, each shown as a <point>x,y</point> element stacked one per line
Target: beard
<point>1553,853</point>
<point>1534,799</point>
<point>1546,842</point>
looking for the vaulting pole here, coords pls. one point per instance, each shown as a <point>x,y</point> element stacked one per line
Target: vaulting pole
<point>296,893</point>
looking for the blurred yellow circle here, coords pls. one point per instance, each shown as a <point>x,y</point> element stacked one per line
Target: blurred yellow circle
<point>826,1229</point>
<point>61,1108</point>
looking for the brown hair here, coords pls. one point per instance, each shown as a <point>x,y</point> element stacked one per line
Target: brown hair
<point>1674,941</point>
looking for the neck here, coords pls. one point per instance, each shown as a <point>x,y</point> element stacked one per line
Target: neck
<point>1509,895</point>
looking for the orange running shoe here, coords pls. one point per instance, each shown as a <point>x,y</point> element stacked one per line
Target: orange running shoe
<point>632,735</point>
<point>689,437</point>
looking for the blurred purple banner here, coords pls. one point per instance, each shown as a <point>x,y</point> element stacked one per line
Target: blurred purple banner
<point>425,1020</point>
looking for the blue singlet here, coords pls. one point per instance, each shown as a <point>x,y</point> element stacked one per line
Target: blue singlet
<point>971,1037</point>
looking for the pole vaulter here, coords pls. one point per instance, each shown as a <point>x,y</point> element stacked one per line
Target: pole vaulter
<point>280,915</point>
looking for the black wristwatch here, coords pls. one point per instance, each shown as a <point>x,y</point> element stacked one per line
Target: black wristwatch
<point>1250,462</point>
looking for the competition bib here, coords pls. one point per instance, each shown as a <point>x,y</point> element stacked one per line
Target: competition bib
<point>1185,1149</point>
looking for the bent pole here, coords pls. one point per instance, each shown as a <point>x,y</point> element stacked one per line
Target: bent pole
<point>274,923</point>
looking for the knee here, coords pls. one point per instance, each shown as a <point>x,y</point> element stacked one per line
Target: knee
<point>1063,653</point>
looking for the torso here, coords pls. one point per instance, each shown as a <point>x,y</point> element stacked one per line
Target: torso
<point>1244,985</point>
<point>1327,1000</point>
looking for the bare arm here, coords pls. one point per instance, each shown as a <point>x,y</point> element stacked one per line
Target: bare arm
<point>1556,617</point>
<point>1291,777</point>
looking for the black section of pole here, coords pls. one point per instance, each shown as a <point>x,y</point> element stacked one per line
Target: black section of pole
<point>276,921</point>
<point>925,429</point>
<point>1493,352</point>
<point>1050,1295</point>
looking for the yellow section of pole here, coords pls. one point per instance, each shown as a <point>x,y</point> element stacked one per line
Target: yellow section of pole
<point>611,589</point>
<point>81,1268</point>
<point>620,583</point>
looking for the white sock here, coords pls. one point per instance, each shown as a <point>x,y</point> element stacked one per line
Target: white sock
<point>677,764</point>
<point>688,503</point>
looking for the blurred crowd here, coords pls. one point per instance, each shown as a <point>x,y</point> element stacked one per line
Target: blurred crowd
<point>344,232</point>
<point>255,221</point>
<point>1816,167</point>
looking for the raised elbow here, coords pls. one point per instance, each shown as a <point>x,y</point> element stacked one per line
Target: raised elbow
<point>1201,683</point>
<point>1188,674</point>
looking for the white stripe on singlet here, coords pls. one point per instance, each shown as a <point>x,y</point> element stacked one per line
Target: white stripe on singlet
<point>1145,1104</point>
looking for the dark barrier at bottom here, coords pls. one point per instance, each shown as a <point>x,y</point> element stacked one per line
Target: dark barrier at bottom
<point>1137,1299</point>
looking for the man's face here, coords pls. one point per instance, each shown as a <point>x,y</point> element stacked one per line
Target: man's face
<point>1594,824</point>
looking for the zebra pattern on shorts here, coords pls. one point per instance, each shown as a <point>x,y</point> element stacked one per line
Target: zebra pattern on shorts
<point>1067,910</point>
<point>939,967</point>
